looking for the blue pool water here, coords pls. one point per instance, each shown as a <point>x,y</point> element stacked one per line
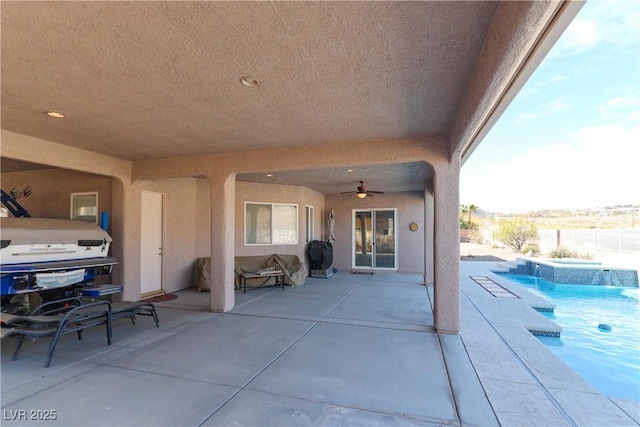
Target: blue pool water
<point>609,360</point>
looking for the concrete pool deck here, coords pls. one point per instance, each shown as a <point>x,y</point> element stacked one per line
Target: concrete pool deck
<point>349,350</point>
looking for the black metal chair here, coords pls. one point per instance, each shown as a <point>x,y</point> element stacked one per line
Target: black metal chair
<point>54,319</point>
<point>132,308</point>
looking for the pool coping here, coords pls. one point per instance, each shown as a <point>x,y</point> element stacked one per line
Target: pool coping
<point>518,372</point>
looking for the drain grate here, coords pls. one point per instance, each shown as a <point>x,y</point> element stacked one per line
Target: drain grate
<point>493,288</point>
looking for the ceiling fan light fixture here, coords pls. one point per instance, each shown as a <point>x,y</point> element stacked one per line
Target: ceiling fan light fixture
<point>361,192</point>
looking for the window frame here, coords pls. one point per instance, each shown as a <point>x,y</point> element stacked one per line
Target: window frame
<point>72,206</point>
<point>310,223</point>
<point>272,241</point>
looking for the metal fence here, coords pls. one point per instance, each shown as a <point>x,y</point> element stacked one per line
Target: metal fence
<point>613,240</point>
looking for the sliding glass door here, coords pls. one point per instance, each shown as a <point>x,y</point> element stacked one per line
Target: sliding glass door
<point>374,239</point>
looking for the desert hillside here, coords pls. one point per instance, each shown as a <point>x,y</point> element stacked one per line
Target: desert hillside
<point>626,217</point>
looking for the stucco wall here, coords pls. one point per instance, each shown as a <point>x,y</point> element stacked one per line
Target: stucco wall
<point>51,190</point>
<point>203,218</point>
<point>410,207</point>
<point>302,196</point>
<point>316,200</point>
<point>182,215</point>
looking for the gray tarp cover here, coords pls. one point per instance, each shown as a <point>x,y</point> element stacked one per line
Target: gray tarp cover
<point>294,271</point>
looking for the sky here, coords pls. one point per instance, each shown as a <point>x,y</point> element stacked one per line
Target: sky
<point>571,137</point>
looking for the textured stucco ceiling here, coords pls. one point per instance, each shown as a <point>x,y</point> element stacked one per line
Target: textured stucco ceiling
<point>388,178</point>
<point>140,80</point>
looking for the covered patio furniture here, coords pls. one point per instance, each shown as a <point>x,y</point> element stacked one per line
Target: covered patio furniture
<point>292,268</point>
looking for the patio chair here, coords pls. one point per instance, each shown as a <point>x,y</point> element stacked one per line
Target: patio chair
<point>132,308</point>
<point>54,319</point>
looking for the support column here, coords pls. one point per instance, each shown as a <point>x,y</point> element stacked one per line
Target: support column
<point>447,247</point>
<point>125,231</point>
<point>223,197</point>
<point>429,228</point>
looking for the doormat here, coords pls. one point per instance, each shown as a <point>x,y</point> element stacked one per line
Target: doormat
<point>368,273</point>
<point>161,298</point>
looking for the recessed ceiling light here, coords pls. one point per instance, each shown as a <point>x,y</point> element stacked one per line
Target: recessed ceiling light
<point>249,82</point>
<point>55,114</point>
<point>350,170</point>
<point>269,174</point>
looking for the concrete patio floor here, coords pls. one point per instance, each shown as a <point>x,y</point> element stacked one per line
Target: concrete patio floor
<point>349,350</point>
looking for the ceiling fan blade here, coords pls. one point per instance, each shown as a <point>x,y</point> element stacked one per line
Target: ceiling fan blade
<point>362,191</point>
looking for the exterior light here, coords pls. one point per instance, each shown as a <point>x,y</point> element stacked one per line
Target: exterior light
<point>249,82</point>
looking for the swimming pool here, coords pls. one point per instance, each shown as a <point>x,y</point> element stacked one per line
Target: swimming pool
<point>609,360</point>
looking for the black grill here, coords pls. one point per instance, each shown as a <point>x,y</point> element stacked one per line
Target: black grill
<point>320,255</point>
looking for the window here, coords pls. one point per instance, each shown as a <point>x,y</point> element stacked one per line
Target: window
<point>270,224</point>
<point>310,224</point>
<point>84,207</point>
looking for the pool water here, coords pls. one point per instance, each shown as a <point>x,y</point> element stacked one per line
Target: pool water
<point>609,360</point>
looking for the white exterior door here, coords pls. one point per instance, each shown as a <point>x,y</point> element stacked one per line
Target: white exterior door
<point>151,231</point>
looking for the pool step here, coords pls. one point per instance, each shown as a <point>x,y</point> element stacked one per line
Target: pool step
<point>518,266</point>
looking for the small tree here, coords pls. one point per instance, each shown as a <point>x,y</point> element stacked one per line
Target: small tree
<point>467,211</point>
<point>515,233</point>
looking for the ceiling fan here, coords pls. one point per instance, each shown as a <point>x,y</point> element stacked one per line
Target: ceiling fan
<point>362,192</point>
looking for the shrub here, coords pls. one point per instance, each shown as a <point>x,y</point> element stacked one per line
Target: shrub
<point>562,253</point>
<point>476,236</point>
<point>465,225</point>
<point>515,233</point>
<point>568,253</point>
<point>585,255</point>
<point>531,248</point>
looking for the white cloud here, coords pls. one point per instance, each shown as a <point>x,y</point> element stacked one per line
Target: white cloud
<point>619,20</point>
<point>597,166</point>
<point>582,34</point>
<point>622,101</point>
<point>552,80</point>
<point>613,23</point>
<point>538,87</point>
<point>545,109</point>
<point>618,107</point>
<point>634,117</point>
